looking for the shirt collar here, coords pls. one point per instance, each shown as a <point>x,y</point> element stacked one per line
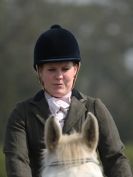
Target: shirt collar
<point>66,98</point>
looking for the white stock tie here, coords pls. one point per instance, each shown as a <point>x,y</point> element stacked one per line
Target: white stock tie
<point>58,108</point>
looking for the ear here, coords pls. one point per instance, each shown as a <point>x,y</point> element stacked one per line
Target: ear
<point>90,131</point>
<point>52,133</point>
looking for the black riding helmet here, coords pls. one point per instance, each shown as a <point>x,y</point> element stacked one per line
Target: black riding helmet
<point>56,44</point>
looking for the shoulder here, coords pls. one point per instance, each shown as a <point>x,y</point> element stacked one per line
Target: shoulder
<point>90,102</point>
<point>81,96</point>
<point>35,98</point>
<point>22,107</point>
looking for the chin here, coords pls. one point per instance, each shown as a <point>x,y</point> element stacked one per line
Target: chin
<point>59,94</point>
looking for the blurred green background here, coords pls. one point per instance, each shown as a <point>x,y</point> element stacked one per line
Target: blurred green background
<point>104,29</point>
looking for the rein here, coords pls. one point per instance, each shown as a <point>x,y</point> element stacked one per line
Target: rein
<point>72,162</point>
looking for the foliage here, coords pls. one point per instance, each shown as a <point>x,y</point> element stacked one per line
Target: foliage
<point>2,164</point>
<point>129,153</point>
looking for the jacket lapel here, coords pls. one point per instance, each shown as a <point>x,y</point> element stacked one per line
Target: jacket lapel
<point>76,112</point>
<point>40,107</point>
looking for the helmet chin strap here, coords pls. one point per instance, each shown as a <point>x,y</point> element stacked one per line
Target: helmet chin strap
<point>39,78</point>
<point>76,75</point>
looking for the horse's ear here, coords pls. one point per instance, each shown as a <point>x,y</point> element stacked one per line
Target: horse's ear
<point>90,131</point>
<point>52,133</point>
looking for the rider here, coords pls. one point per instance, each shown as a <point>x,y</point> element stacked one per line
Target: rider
<point>57,62</point>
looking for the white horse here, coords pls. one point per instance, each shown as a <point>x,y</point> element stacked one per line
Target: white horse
<point>71,155</point>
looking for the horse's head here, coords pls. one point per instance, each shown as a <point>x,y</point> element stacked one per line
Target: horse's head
<point>89,133</point>
<point>71,151</point>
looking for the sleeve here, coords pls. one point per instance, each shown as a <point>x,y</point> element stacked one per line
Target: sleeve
<point>15,147</point>
<point>110,147</point>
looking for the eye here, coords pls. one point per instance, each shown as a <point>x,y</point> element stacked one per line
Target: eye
<point>51,69</point>
<point>65,68</point>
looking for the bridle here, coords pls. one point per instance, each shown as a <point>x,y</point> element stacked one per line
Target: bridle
<point>71,162</point>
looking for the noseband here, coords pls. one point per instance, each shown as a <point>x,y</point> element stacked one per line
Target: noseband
<point>72,162</point>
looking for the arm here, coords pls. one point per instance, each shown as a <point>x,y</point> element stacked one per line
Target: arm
<point>110,147</point>
<point>15,147</point>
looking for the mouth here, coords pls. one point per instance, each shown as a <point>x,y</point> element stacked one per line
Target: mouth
<point>58,84</point>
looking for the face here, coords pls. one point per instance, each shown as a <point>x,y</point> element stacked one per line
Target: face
<point>58,78</point>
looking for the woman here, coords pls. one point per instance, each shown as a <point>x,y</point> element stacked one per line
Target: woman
<point>57,62</point>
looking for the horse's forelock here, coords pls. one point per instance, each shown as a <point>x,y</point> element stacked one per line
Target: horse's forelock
<point>72,147</point>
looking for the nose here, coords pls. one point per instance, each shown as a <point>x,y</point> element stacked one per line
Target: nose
<point>59,74</point>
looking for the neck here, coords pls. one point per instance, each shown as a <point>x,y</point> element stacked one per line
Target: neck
<point>48,95</point>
